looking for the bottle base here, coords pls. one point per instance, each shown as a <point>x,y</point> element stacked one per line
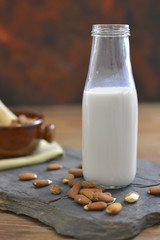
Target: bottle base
<point>113,187</point>
<point>113,184</point>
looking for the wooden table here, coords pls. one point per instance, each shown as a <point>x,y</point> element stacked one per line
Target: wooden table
<point>68,124</point>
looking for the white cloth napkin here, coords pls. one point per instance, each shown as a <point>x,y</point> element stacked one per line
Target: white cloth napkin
<point>44,152</point>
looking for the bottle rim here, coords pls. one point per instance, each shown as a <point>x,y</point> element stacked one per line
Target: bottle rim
<point>110,30</point>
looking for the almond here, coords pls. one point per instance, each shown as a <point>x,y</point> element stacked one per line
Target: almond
<point>88,184</point>
<point>72,182</point>
<point>41,182</point>
<point>108,193</point>
<point>100,196</point>
<point>55,189</point>
<point>68,177</point>
<point>88,192</point>
<point>74,190</point>
<point>95,206</point>
<point>132,197</point>
<point>53,166</point>
<point>114,208</point>
<point>27,176</point>
<point>154,190</point>
<point>100,187</point>
<point>76,172</point>
<point>79,198</point>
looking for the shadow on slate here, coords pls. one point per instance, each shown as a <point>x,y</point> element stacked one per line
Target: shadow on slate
<point>66,216</point>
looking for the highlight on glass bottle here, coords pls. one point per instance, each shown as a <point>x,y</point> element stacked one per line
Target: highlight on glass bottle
<point>110,109</point>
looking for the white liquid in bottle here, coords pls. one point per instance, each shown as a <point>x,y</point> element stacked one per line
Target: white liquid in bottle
<point>109,135</point>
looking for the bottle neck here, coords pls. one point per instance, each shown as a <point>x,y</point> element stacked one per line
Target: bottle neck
<point>111,52</point>
<point>110,59</point>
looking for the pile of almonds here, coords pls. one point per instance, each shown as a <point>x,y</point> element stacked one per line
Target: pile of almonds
<point>23,120</point>
<point>92,196</point>
<point>86,193</point>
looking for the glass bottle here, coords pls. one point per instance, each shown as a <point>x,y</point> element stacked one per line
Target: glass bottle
<point>110,109</point>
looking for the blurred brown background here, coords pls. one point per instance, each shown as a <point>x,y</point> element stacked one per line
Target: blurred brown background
<point>45,47</point>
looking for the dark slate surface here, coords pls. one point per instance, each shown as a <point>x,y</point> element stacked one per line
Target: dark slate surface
<point>69,218</point>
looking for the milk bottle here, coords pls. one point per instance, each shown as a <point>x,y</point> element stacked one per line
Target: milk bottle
<point>109,110</point>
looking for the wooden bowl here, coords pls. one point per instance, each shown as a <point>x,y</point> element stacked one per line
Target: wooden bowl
<point>22,140</point>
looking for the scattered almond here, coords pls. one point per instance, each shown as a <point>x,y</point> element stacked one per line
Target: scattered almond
<point>132,197</point>
<point>79,198</point>
<point>27,176</point>
<point>68,177</point>
<point>108,193</point>
<point>55,189</point>
<point>72,182</point>
<point>114,208</point>
<point>88,184</point>
<point>53,166</point>
<point>95,206</point>
<point>74,190</point>
<point>41,182</point>
<point>154,190</point>
<point>100,196</point>
<point>100,187</point>
<point>88,192</point>
<point>76,172</point>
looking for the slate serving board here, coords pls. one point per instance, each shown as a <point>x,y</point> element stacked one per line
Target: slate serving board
<point>66,216</point>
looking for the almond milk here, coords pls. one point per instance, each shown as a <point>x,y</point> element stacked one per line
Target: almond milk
<point>109,141</point>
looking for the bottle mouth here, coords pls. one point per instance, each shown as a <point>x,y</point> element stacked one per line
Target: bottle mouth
<point>110,30</point>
